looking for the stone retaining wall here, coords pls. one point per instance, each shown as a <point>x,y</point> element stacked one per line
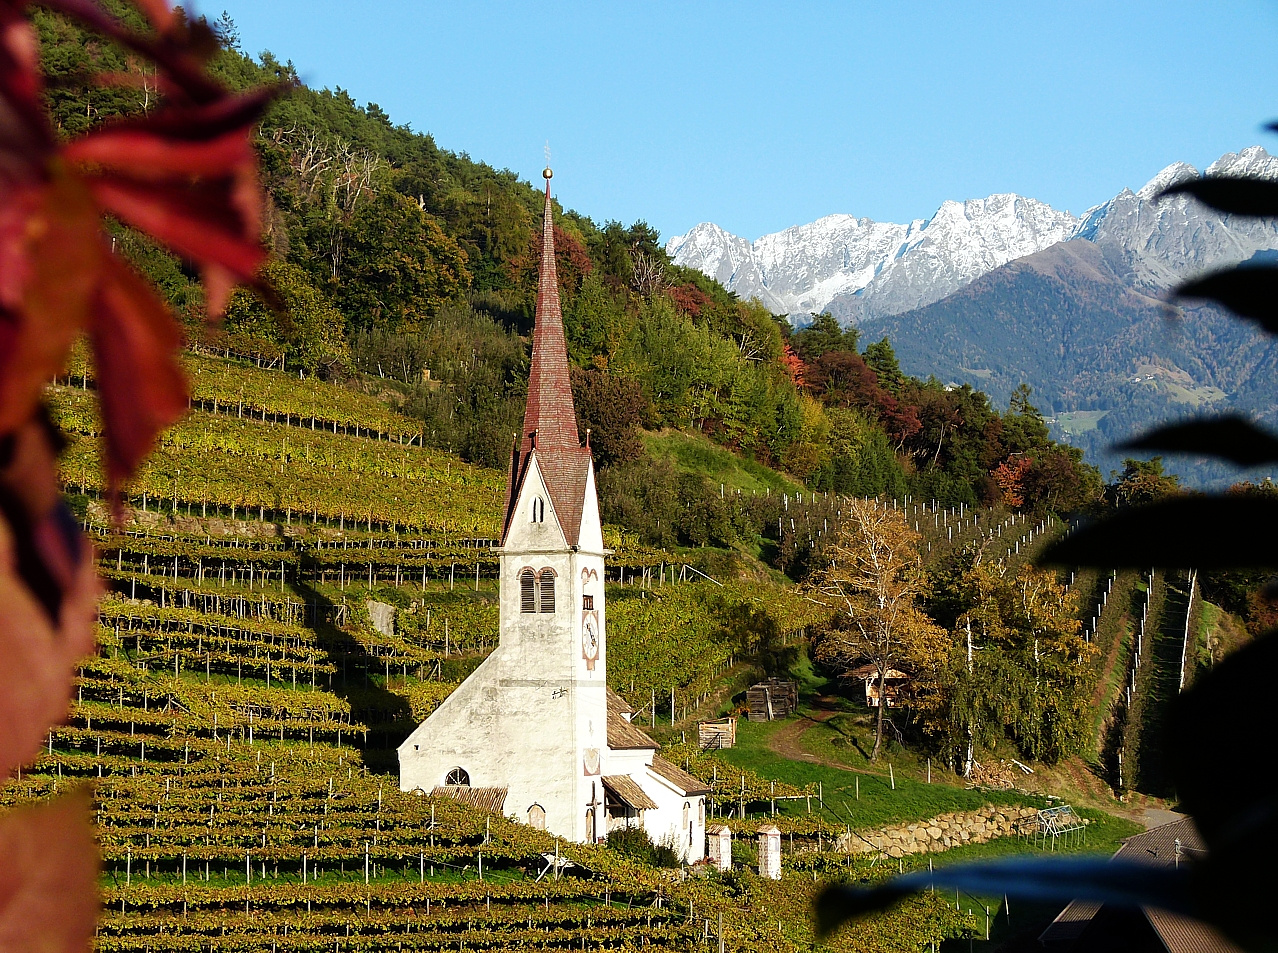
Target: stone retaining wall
<point>939,833</point>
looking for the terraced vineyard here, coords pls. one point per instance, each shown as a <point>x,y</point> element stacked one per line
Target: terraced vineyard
<point>239,722</point>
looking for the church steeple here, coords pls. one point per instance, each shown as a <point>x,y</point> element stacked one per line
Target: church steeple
<point>550,420</point>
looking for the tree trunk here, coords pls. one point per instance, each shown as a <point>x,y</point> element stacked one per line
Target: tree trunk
<point>878,720</point>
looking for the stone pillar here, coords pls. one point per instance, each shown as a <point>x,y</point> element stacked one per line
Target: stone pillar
<point>719,838</point>
<point>770,852</point>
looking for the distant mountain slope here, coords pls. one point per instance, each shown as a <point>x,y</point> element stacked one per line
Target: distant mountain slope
<point>859,269</point>
<point>1075,323</point>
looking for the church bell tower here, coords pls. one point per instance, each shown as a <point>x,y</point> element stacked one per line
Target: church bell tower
<point>552,562</point>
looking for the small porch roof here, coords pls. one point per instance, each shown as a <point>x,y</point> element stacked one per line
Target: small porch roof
<point>627,790</point>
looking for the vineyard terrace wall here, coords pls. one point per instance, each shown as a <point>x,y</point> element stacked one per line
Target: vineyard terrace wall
<point>939,833</point>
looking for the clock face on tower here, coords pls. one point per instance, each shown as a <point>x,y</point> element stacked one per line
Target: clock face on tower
<point>590,638</point>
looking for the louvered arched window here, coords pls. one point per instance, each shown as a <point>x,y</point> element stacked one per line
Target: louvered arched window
<point>527,591</point>
<point>547,586</point>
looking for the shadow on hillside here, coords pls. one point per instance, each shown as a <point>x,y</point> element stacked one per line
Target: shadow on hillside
<point>388,717</point>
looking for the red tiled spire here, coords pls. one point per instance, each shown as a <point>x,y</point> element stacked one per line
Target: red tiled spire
<point>550,420</point>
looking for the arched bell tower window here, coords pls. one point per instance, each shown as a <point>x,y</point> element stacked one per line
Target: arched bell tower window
<point>546,580</point>
<point>538,510</point>
<point>527,591</point>
<point>457,777</point>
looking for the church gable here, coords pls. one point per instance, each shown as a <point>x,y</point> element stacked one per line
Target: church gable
<point>534,523</point>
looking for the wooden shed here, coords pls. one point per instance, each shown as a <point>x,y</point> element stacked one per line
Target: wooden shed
<point>775,698</point>
<point>895,683</point>
<point>712,735</point>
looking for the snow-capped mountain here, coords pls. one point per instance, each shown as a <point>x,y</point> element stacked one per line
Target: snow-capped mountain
<point>861,269</point>
<point>876,267</point>
<point>1170,240</point>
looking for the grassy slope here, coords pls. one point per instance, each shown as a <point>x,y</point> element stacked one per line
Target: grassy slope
<point>878,804</point>
<point>694,453</point>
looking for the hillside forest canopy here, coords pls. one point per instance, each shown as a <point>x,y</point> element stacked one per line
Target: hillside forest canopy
<point>406,267</point>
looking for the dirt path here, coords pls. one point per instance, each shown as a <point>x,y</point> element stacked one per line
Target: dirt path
<point>786,741</point>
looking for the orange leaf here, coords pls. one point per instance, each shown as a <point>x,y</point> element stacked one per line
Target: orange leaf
<point>141,388</point>
<point>158,12</point>
<point>49,895</point>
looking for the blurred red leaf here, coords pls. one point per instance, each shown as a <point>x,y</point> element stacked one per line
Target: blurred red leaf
<point>49,895</point>
<point>51,255</point>
<point>38,651</point>
<point>185,174</point>
<point>140,385</point>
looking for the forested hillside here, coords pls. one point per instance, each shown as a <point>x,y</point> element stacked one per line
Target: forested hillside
<point>410,270</point>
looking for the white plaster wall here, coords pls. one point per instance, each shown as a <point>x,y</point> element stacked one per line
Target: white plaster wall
<point>632,761</point>
<point>665,824</point>
<point>526,717</point>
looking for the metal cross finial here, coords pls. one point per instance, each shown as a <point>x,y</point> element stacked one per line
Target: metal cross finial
<point>547,152</point>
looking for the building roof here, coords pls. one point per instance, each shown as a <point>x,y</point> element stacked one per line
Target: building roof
<point>681,779</point>
<point>628,790</point>
<point>1158,845</point>
<point>1184,935</point>
<point>492,800</point>
<point>1165,845</point>
<point>867,671</point>
<point>550,420</point>
<point>618,704</point>
<point>622,735</point>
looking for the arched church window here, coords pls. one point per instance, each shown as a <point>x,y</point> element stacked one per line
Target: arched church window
<point>527,591</point>
<point>538,510</point>
<point>701,812</point>
<point>537,817</point>
<point>686,809</point>
<point>457,777</point>
<point>547,580</point>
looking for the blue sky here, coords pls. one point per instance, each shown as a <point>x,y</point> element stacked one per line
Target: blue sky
<point>761,116</point>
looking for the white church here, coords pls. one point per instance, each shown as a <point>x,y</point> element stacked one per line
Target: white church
<point>535,732</point>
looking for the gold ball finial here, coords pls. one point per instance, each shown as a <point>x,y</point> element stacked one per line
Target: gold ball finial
<point>546,173</point>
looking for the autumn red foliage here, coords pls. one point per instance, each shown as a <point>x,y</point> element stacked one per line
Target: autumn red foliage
<point>689,299</point>
<point>185,174</point>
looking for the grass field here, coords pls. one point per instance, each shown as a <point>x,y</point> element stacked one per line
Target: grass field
<point>859,798</point>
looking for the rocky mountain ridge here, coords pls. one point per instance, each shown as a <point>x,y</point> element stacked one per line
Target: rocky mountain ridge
<point>860,269</point>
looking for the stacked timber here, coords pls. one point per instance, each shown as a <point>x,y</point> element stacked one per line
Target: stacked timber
<point>775,698</point>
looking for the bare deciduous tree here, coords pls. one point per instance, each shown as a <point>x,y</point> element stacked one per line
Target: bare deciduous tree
<point>648,272</point>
